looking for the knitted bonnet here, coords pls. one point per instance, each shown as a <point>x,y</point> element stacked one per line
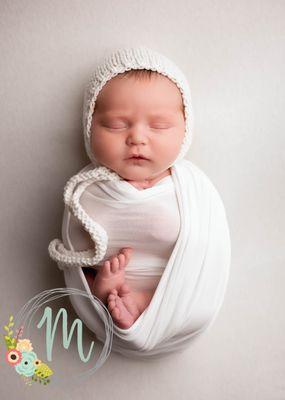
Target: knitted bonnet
<point>125,59</point>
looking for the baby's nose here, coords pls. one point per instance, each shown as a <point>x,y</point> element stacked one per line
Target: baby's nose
<point>137,134</point>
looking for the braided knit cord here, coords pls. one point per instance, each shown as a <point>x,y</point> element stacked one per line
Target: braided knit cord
<point>72,193</point>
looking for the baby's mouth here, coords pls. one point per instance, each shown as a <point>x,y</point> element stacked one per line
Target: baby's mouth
<point>137,157</point>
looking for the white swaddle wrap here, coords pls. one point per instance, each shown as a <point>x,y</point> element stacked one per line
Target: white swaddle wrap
<point>189,270</point>
<point>191,289</point>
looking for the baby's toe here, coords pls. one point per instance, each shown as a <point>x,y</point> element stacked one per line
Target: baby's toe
<point>107,267</point>
<point>111,297</point>
<point>127,251</point>
<point>116,313</point>
<point>114,264</point>
<point>124,289</point>
<point>122,260</point>
<point>111,305</point>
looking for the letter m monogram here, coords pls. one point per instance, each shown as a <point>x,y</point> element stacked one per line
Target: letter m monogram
<point>50,332</point>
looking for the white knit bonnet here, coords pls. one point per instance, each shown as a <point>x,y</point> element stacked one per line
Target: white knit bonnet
<point>118,62</point>
<point>125,59</point>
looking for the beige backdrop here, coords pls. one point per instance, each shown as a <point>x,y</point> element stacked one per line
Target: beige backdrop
<point>233,55</point>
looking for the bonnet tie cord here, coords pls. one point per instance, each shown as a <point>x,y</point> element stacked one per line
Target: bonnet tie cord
<point>90,257</point>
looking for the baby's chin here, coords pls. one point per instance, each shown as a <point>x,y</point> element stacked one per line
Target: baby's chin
<point>132,172</point>
<point>136,171</point>
<point>140,175</point>
<point>132,176</point>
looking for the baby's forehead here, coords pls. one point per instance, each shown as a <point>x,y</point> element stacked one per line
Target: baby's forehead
<point>162,94</point>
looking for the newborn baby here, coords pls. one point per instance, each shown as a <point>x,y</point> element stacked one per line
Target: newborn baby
<point>148,222</point>
<point>137,129</point>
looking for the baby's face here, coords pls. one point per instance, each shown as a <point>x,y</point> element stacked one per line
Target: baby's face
<point>138,116</point>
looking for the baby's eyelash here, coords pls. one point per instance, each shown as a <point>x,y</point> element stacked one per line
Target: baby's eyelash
<point>114,127</point>
<point>161,127</point>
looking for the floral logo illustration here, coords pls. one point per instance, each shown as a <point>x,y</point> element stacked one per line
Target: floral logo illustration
<point>21,356</point>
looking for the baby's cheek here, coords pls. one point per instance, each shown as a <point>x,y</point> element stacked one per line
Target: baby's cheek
<point>100,144</point>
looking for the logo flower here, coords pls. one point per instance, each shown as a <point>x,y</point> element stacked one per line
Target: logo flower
<point>27,367</point>
<point>13,356</point>
<point>24,345</point>
<point>19,354</point>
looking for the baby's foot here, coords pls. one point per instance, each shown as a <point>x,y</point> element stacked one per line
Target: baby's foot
<point>122,307</point>
<point>111,275</point>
